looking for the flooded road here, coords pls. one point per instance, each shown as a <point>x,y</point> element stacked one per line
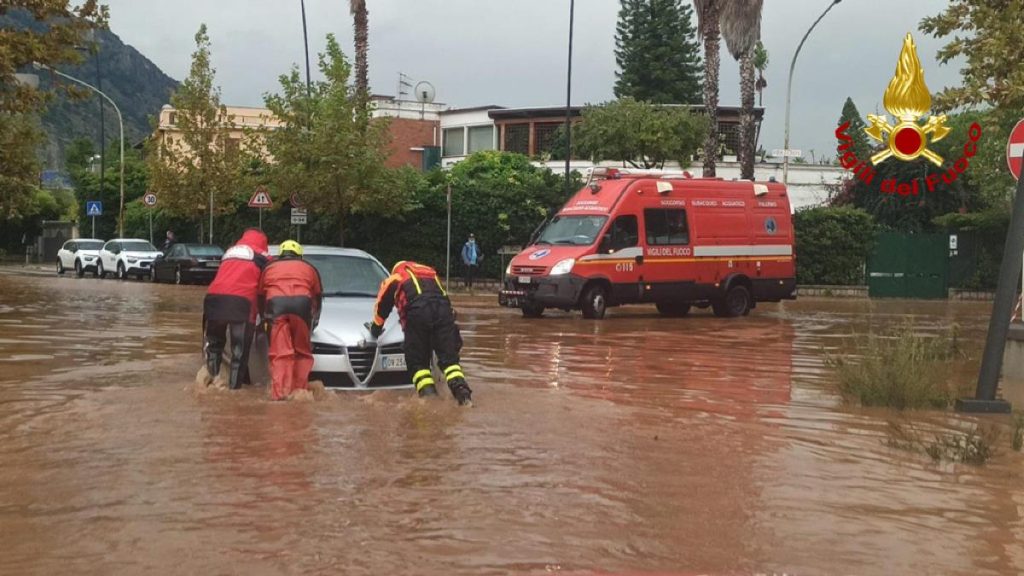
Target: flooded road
<point>637,444</point>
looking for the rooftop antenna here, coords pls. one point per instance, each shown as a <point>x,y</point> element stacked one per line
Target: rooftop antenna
<point>403,85</point>
<point>424,95</point>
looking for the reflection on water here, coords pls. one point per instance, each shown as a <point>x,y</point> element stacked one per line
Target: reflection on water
<point>693,445</point>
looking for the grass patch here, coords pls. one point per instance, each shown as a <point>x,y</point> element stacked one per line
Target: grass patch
<point>900,369</point>
<point>973,446</point>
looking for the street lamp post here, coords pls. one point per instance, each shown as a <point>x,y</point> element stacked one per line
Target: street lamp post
<point>789,90</point>
<point>120,121</point>
<point>568,103</point>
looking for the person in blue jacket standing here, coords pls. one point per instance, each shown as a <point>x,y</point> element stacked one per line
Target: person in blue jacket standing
<point>471,258</point>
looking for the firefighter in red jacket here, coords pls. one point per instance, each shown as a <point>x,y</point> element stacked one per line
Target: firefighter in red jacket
<point>429,323</point>
<point>291,296</point>
<point>230,306</point>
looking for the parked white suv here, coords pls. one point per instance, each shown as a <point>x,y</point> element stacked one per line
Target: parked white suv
<point>80,255</point>
<point>126,257</point>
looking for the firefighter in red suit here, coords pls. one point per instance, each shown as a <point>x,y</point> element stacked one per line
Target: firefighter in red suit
<point>230,305</point>
<point>429,323</point>
<point>291,295</point>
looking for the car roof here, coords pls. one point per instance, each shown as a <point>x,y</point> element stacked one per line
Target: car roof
<point>127,240</point>
<point>195,244</point>
<point>326,250</point>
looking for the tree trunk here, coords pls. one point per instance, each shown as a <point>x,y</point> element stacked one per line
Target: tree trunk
<point>712,62</point>
<point>746,151</point>
<point>362,41</point>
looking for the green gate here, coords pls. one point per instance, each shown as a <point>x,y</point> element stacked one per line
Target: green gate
<point>909,266</point>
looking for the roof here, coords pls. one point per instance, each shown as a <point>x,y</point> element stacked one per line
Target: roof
<point>473,109</point>
<point>559,111</point>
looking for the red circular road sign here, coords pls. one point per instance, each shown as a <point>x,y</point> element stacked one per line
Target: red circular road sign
<point>149,199</point>
<point>1015,149</point>
<point>295,201</point>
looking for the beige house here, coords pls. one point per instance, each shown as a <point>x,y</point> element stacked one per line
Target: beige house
<point>240,119</point>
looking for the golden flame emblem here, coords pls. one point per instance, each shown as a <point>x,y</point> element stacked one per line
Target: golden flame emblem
<point>907,99</point>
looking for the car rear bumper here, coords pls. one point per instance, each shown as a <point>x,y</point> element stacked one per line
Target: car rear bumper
<point>561,291</point>
<point>201,274</point>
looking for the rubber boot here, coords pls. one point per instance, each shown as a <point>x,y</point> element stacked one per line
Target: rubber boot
<point>213,364</point>
<point>428,390</point>
<point>237,355</point>
<point>461,391</point>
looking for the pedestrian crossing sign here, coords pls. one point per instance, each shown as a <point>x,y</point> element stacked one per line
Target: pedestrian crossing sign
<point>260,199</point>
<point>94,208</point>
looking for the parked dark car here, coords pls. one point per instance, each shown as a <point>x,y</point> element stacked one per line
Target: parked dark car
<point>187,264</point>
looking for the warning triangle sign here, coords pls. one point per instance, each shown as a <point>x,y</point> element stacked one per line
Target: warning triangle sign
<point>260,199</point>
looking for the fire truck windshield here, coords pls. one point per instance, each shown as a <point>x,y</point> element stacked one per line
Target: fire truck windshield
<point>573,230</point>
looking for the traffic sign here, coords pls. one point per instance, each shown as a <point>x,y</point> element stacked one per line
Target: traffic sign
<point>295,201</point>
<point>298,215</point>
<point>782,152</point>
<point>260,198</point>
<point>149,199</point>
<point>1015,149</point>
<point>93,208</point>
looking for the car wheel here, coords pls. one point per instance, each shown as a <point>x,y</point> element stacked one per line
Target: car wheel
<point>673,309</point>
<point>735,303</point>
<point>60,267</point>
<point>532,310</point>
<point>594,302</point>
<point>79,271</point>
<point>100,272</point>
<point>121,274</point>
<point>177,276</point>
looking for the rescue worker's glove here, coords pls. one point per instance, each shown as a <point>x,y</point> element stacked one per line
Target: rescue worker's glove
<point>375,330</point>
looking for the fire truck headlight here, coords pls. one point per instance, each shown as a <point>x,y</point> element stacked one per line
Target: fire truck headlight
<point>508,269</point>
<point>563,267</point>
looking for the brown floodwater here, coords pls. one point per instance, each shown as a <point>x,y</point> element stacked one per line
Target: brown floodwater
<point>632,445</point>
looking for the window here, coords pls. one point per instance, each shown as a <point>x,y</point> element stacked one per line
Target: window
<point>71,247</point>
<point>546,136</point>
<point>177,251</point>
<point>625,232</point>
<point>172,118</point>
<point>517,138</point>
<point>481,138</point>
<point>666,226</point>
<point>574,230</point>
<point>454,142</point>
<point>137,246</point>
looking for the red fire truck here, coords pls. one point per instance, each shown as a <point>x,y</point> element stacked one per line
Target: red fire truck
<point>673,241</point>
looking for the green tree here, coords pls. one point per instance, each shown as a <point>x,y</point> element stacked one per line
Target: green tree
<point>987,35</point>
<point>761,64</point>
<point>833,245</point>
<point>657,53</point>
<point>860,145</point>
<point>639,133</point>
<point>57,27</point>
<point>708,20</point>
<point>741,28</point>
<point>197,171</point>
<point>326,151</point>
<point>87,187</point>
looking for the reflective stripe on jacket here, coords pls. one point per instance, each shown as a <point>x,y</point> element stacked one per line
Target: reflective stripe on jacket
<point>410,282</point>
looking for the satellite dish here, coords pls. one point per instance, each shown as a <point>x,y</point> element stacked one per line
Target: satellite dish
<point>424,92</point>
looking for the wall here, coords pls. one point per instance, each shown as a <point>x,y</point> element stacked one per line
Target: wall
<point>408,137</point>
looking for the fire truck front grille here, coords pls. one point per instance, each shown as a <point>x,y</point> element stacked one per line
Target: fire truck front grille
<point>528,270</point>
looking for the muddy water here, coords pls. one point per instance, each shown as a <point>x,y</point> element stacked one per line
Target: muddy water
<point>637,444</point>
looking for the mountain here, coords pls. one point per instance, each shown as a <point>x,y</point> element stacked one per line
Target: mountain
<point>132,81</point>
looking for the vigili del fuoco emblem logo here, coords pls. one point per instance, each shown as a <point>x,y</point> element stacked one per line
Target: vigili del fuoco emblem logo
<point>907,99</point>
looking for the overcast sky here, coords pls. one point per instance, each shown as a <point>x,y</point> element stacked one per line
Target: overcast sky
<point>513,52</point>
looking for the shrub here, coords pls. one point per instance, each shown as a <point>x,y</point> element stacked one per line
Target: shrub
<point>975,445</point>
<point>832,245</point>
<point>899,369</point>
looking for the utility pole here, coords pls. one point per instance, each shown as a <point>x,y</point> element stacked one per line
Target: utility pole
<point>568,104</point>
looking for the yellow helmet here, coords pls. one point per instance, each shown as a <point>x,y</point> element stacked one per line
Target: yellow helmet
<point>291,246</point>
<point>399,264</point>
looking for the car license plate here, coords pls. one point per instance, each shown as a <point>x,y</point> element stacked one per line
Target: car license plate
<point>524,279</point>
<point>213,264</point>
<point>392,362</point>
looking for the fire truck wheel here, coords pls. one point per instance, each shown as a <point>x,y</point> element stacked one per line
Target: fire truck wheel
<point>532,310</point>
<point>736,303</point>
<point>673,309</point>
<point>594,302</point>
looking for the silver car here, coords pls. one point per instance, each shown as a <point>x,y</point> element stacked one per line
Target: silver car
<point>344,354</point>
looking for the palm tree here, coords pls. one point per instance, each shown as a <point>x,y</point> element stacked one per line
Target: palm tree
<point>761,64</point>
<point>741,28</point>
<point>708,13</point>
<point>360,21</point>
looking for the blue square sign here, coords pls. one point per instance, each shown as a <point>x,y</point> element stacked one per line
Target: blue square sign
<point>93,208</point>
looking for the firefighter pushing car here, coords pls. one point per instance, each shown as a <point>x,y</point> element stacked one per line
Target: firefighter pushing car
<point>291,297</point>
<point>429,323</point>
